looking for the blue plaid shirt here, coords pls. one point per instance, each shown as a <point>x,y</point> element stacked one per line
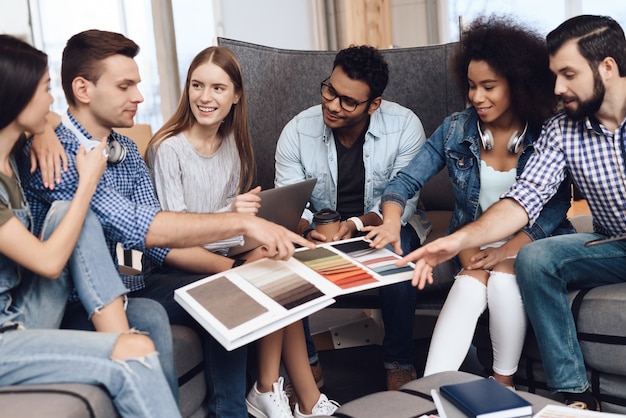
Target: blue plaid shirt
<point>595,158</point>
<point>124,201</point>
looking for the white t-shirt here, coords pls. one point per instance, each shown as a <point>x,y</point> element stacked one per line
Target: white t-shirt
<point>494,184</point>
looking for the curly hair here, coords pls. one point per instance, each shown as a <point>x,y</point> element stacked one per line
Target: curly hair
<point>364,63</point>
<point>517,53</point>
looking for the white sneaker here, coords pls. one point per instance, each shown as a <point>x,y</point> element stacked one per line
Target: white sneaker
<point>321,408</point>
<point>274,404</point>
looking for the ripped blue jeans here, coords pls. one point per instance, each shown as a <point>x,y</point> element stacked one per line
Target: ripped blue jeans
<point>90,270</point>
<point>137,386</point>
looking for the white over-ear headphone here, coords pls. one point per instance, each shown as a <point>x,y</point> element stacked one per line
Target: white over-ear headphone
<point>515,142</point>
<point>116,151</point>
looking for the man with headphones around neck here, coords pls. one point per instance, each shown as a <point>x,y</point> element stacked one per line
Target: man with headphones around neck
<point>100,79</point>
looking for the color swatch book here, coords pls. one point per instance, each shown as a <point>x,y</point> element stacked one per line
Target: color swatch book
<point>352,265</point>
<point>255,299</point>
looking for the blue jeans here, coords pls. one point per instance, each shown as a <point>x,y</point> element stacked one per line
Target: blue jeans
<point>91,273</point>
<point>144,315</point>
<point>45,354</point>
<point>397,307</point>
<point>225,371</point>
<point>137,386</point>
<point>546,269</point>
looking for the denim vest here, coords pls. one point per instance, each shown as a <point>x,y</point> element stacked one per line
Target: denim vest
<point>455,144</point>
<point>10,272</point>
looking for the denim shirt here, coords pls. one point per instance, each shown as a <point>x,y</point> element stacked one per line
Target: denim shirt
<point>456,145</point>
<point>11,272</point>
<point>306,149</point>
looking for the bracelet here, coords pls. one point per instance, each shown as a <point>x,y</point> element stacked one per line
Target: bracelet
<point>238,262</point>
<point>357,222</point>
<point>306,232</point>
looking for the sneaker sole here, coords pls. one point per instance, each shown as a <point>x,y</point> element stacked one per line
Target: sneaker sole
<point>252,410</point>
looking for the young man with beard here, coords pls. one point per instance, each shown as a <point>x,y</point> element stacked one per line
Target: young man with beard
<point>588,57</point>
<point>354,143</point>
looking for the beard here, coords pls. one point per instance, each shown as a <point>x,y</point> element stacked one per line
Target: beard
<point>590,106</point>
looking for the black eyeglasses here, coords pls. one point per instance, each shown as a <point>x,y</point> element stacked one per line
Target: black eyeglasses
<point>347,103</point>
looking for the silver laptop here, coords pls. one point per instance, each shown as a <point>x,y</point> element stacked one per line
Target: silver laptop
<point>281,205</point>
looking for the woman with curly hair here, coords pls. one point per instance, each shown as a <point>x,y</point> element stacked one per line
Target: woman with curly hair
<point>502,66</point>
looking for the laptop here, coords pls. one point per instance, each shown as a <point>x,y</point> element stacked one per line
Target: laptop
<point>281,205</point>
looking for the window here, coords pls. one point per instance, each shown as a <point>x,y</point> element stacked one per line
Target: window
<point>553,12</point>
<point>53,25</point>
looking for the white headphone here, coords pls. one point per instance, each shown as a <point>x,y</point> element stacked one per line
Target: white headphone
<point>116,151</point>
<point>515,142</point>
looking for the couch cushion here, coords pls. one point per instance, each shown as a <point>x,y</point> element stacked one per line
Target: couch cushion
<point>56,401</point>
<point>190,369</point>
<point>601,324</point>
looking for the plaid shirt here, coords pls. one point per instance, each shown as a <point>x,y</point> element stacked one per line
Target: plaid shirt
<point>594,157</point>
<point>124,201</point>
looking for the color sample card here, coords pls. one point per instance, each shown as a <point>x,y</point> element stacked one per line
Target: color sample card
<point>281,284</point>
<point>220,295</point>
<point>334,267</point>
<point>382,261</point>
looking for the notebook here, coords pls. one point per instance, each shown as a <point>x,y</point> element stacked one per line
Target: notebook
<point>281,205</point>
<point>486,398</point>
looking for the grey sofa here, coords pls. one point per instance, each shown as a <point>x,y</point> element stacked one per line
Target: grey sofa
<point>280,83</point>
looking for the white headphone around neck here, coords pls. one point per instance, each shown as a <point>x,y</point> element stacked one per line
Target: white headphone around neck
<point>515,142</point>
<point>116,151</point>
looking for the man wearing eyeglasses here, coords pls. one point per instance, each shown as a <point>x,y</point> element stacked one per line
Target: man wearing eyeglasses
<point>354,143</point>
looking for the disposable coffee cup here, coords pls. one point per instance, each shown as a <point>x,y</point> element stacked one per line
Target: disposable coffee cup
<point>327,222</point>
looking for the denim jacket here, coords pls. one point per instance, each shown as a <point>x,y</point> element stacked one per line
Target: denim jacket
<point>456,145</point>
<point>306,149</point>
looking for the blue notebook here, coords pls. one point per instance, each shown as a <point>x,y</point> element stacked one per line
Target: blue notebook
<point>486,398</point>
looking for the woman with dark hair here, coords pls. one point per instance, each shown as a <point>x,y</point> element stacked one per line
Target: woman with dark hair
<point>201,161</point>
<point>502,66</point>
<point>34,283</point>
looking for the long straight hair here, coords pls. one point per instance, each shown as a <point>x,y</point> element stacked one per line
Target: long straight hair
<point>236,122</point>
<point>21,69</point>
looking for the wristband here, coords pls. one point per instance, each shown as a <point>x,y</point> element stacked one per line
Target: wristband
<point>306,232</point>
<point>357,222</point>
<point>238,262</point>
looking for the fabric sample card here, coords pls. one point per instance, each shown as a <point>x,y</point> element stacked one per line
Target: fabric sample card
<point>220,295</point>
